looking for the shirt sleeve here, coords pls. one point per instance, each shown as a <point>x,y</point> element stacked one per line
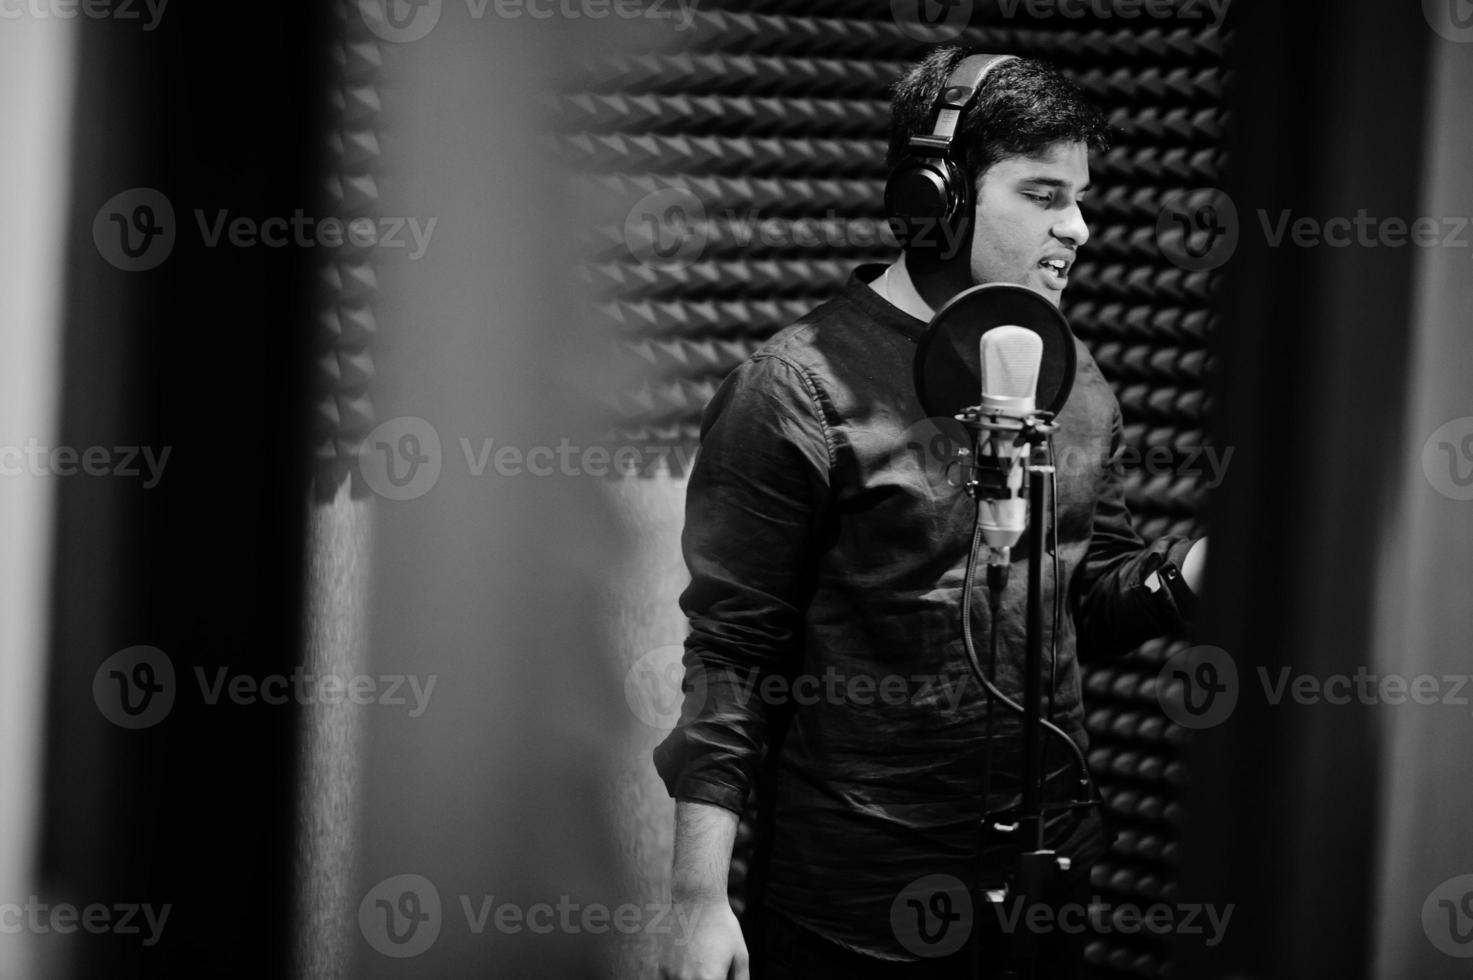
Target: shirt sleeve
<point>1115,610</point>
<point>756,500</point>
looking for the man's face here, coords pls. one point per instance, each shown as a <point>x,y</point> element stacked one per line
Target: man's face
<point>1028,221</point>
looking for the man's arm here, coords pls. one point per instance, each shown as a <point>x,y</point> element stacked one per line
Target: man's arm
<point>756,498</point>
<point>757,495</point>
<point>1121,601</point>
<point>714,948</point>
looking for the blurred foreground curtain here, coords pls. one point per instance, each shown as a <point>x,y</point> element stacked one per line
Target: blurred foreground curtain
<point>37,59</point>
<point>1335,826</point>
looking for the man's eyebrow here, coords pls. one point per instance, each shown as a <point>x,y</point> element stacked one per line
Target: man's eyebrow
<point>1055,182</point>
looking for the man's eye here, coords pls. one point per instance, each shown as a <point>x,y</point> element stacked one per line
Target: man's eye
<point>1040,198</point>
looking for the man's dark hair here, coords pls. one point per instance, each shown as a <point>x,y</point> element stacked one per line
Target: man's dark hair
<point>1025,106</point>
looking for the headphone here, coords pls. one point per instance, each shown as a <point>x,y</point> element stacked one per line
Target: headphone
<point>928,198</point>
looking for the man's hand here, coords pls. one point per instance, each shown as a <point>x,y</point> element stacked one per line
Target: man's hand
<point>1193,565</point>
<point>714,948</point>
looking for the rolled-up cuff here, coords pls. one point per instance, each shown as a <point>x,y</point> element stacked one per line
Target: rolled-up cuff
<point>1173,602</point>
<point>694,789</point>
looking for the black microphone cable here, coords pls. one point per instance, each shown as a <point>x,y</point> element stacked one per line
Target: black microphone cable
<point>997,580</point>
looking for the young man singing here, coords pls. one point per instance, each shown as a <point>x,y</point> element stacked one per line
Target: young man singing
<point>821,546</point>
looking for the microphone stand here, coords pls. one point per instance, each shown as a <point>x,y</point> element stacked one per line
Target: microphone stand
<point>1034,877</point>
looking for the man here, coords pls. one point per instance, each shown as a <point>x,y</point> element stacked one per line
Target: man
<point>823,549</point>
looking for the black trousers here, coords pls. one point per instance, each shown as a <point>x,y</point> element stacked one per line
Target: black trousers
<point>780,949</point>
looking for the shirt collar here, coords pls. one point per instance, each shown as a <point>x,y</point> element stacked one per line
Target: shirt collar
<point>861,290</point>
<point>896,287</point>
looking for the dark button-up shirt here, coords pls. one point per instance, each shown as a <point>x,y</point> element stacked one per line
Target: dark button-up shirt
<point>827,541</point>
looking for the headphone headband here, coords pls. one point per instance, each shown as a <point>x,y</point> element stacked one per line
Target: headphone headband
<point>960,88</point>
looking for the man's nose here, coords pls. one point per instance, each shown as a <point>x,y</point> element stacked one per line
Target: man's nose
<point>1071,227</point>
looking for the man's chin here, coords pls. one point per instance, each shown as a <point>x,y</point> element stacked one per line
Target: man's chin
<point>1040,286</point>
<point>1050,293</point>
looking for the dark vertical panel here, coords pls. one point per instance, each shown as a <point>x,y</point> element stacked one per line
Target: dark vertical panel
<point>1313,350</point>
<point>213,107</point>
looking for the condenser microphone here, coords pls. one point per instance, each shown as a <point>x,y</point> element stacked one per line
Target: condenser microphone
<point>1010,361</point>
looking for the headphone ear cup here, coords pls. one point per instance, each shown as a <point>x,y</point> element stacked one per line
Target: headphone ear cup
<point>955,234</point>
<point>921,200</point>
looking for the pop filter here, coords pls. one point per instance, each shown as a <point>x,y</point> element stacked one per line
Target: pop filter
<point>948,368</point>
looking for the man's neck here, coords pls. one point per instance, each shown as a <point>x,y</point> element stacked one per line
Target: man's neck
<point>921,288</point>
<point>896,287</point>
